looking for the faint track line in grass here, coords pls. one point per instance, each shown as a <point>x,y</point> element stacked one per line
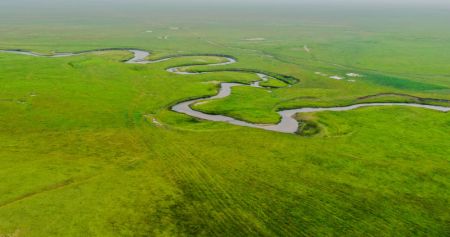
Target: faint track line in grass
<point>421,99</point>
<point>193,179</point>
<point>60,185</point>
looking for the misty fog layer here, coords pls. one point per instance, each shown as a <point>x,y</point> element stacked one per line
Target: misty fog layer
<point>231,3</point>
<point>161,8</point>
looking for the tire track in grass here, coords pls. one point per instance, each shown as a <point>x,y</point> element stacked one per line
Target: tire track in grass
<point>251,217</point>
<point>195,185</point>
<point>201,189</point>
<point>417,98</point>
<point>49,188</point>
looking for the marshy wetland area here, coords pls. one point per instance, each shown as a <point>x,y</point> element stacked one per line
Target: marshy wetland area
<point>146,118</point>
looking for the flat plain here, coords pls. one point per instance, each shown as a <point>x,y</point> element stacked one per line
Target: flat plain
<point>90,147</point>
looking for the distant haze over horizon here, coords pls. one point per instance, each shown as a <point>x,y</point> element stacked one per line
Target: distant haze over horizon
<point>386,3</point>
<point>86,12</point>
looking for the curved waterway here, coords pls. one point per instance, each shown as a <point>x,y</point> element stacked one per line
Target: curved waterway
<point>287,124</point>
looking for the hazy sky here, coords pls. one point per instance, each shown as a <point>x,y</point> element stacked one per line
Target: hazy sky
<point>318,2</point>
<point>7,6</point>
<point>424,2</point>
<point>357,2</point>
<point>84,12</point>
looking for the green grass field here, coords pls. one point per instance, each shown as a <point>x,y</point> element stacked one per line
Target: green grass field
<point>81,154</point>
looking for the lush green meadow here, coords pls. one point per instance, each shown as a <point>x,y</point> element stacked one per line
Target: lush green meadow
<point>89,146</point>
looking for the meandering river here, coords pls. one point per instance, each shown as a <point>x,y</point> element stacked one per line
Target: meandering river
<point>288,123</point>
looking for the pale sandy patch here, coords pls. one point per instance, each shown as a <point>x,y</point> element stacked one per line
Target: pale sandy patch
<point>255,39</point>
<point>351,74</point>
<point>307,49</point>
<point>211,82</point>
<point>202,102</point>
<point>336,77</point>
<point>153,119</point>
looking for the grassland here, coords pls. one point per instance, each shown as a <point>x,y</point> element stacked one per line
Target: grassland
<point>82,155</point>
